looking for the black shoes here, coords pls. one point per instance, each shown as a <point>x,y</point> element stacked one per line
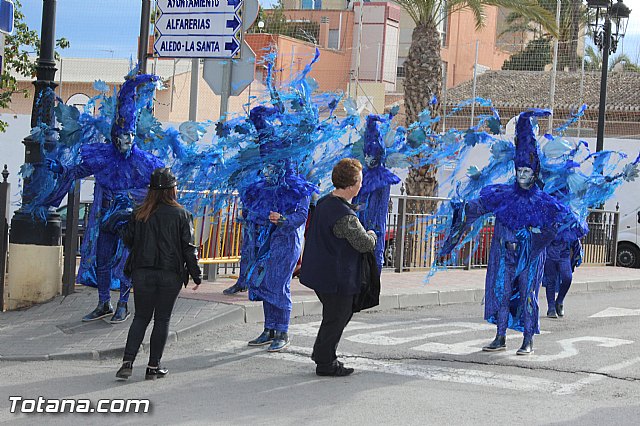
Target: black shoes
<point>236,288</point>
<point>498,344</point>
<point>335,370</point>
<point>264,339</point>
<point>560,309</point>
<point>527,347</point>
<point>552,313</point>
<point>153,373</point>
<point>104,309</point>
<point>125,371</point>
<point>280,341</point>
<point>122,313</point>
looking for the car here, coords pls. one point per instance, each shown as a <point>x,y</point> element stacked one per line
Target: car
<point>83,218</point>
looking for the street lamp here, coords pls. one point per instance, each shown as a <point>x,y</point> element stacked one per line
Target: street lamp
<point>603,14</point>
<point>34,262</point>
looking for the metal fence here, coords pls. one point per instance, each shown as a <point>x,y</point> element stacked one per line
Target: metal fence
<point>413,238</point>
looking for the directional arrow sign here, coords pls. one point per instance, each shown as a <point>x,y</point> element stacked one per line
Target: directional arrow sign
<point>198,25</point>
<point>187,46</point>
<point>199,6</point>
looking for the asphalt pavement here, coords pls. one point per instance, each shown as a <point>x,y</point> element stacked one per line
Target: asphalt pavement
<point>54,330</point>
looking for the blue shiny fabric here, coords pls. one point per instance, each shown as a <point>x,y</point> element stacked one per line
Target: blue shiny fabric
<point>116,178</point>
<point>373,198</point>
<point>526,223</point>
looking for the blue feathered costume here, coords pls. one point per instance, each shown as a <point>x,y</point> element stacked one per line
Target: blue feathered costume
<point>526,222</point>
<point>122,176</point>
<point>373,198</point>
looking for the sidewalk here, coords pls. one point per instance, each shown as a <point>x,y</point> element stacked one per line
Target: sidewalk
<point>53,330</point>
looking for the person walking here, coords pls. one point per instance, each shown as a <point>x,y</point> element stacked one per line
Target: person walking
<point>331,265</point>
<point>162,256</point>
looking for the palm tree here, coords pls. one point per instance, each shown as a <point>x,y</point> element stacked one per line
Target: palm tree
<point>572,16</point>
<point>423,69</point>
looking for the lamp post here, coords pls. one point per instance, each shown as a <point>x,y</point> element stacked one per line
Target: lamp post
<point>608,24</point>
<point>35,260</point>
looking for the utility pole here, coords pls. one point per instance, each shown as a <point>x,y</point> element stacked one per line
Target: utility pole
<point>143,44</point>
<point>36,253</point>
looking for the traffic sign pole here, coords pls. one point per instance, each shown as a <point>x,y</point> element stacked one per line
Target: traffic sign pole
<point>226,89</point>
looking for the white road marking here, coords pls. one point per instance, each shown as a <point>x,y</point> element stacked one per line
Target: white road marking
<point>569,350</point>
<point>311,329</point>
<point>382,338</point>
<point>616,312</point>
<point>574,387</point>
<point>427,372</point>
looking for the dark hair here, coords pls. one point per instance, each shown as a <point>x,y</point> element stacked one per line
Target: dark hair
<point>345,173</point>
<point>153,199</point>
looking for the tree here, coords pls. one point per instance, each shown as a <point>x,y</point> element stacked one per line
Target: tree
<point>572,17</point>
<point>534,57</point>
<point>276,22</point>
<point>19,51</point>
<point>423,65</point>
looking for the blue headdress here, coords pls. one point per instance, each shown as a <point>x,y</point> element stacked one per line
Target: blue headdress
<point>526,143</point>
<point>126,110</point>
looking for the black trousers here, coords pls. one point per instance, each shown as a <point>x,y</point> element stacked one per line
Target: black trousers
<point>337,310</point>
<point>155,293</point>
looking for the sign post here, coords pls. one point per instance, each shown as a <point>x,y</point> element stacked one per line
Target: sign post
<point>199,28</point>
<point>231,77</point>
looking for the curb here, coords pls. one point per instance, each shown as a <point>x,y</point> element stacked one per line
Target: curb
<point>233,316</point>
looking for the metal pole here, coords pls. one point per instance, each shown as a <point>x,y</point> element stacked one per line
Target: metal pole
<point>401,234</point>
<point>226,90</point>
<point>603,83</point>
<point>173,85</point>
<point>5,196</point>
<point>145,18</point>
<point>24,230</point>
<point>584,59</point>
<point>475,80</point>
<point>359,47</point>
<point>71,240</point>
<point>193,94</point>
<point>552,92</point>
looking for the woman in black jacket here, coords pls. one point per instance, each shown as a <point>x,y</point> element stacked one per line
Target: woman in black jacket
<point>332,260</point>
<point>161,258</point>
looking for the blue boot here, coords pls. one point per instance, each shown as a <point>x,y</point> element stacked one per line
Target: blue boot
<point>122,313</point>
<point>264,339</point>
<point>104,309</point>
<point>280,341</point>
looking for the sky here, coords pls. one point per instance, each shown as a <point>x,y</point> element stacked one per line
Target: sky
<point>109,29</point>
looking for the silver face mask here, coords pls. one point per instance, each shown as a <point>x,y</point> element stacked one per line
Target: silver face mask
<point>124,143</point>
<point>525,177</point>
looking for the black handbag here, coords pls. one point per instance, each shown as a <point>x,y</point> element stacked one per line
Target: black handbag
<point>369,295</point>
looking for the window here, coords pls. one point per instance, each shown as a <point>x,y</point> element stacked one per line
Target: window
<point>400,72</point>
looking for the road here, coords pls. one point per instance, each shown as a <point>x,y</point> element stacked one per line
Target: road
<point>421,366</point>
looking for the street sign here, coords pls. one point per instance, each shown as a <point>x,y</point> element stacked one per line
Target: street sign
<point>199,28</point>
<point>218,24</point>
<point>187,46</point>
<point>242,72</point>
<point>6,16</point>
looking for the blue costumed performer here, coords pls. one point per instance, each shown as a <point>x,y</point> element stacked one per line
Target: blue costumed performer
<point>526,222</point>
<point>277,205</point>
<point>373,198</point>
<point>122,172</point>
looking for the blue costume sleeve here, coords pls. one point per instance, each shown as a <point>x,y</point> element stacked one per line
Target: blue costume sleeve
<point>65,180</point>
<point>464,215</point>
<point>298,217</point>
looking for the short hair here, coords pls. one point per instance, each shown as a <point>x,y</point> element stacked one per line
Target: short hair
<point>345,173</point>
